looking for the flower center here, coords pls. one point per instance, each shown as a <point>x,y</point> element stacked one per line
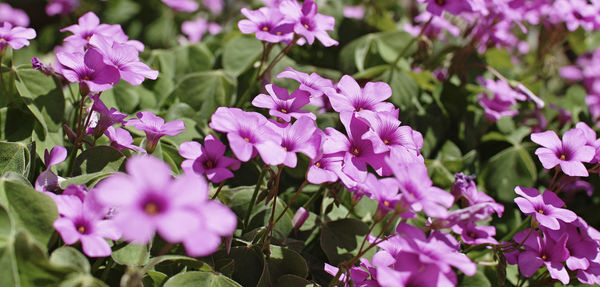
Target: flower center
<point>355,151</point>
<point>285,148</point>
<point>440,2</point>
<point>209,164</point>
<point>81,229</point>
<point>386,142</point>
<point>540,211</point>
<point>472,235</point>
<point>544,257</point>
<point>283,110</point>
<point>278,33</point>
<point>86,78</point>
<point>151,208</point>
<point>318,164</point>
<point>386,203</point>
<point>265,28</point>
<point>247,139</point>
<point>306,26</point>
<point>562,157</point>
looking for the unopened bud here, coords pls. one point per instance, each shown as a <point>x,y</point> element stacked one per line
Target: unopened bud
<point>300,217</point>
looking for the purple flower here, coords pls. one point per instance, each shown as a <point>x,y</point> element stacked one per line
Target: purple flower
<point>545,208</point>
<point>182,5</point>
<point>216,221</point>
<point>89,25</point>
<point>147,200</point>
<point>464,187</point>
<point>357,151</point>
<point>208,159</point>
<point>437,7</point>
<point>356,12</point>
<point>300,137</point>
<point>88,69</point>
<point>590,139</point>
<point>155,128</point>
<point>504,97</point>
<point>385,192</point>
<point>195,29</point>
<point>81,221</point>
<point>325,168</point>
<point>569,154</point>
<point>313,83</point>
<point>124,58</point>
<point>62,7</point>
<point>215,6</point>
<point>354,99</point>
<point>47,180</point>
<point>582,244</point>
<point>307,22</point>
<point>386,132</point>
<point>475,234</point>
<point>108,118</point>
<point>283,105</point>
<point>121,138</point>
<point>15,17</point>
<point>267,24</point>
<point>249,132</point>
<point>543,251</point>
<point>16,37</point>
<point>418,191</point>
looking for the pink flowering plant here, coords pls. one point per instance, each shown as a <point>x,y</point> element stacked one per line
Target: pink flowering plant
<point>299,143</point>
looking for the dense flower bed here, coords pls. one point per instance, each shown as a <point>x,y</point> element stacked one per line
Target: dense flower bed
<point>294,143</point>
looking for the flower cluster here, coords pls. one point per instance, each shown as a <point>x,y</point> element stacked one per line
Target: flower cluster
<point>562,238</point>
<point>281,20</point>
<point>585,71</point>
<point>98,55</point>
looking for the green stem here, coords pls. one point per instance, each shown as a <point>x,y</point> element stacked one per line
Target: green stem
<point>218,190</point>
<point>410,43</point>
<point>107,269</point>
<point>291,201</point>
<point>280,56</point>
<point>253,200</point>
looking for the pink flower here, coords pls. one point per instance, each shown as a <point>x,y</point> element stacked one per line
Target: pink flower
<point>182,5</point>
<point>208,159</point>
<point>307,22</point>
<point>283,105</point>
<point>16,37</point>
<point>569,154</point>
<point>155,128</point>
<point>545,208</point>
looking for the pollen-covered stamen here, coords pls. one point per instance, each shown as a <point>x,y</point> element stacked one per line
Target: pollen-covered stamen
<point>544,257</point>
<point>540,211</point>
<point>247,139</point>
<point>265,28</point>
<point>355,151</point>
<point>386,203</point>
<point>563,157</point>
<point>87,78</point>
<point>283,110</point>
<point>318,164</point>
<point>81,229</point>
<point>387,142</point>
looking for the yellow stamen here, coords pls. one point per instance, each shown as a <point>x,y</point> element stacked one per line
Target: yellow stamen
<point>247,139</point>
<point>318,164</point>
<point>278,33</point>
<point>81,229</point>
<point>306,26</point>
<point>386,142</point>
<point>562,156</point>
<point>544,257</point>
<point>386,203</point>
<point>285,148</point>
<point>265,28</point>
<point>284,111</point>
<point>540,211</point>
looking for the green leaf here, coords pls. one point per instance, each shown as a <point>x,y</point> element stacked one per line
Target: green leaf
<point>341,239</point>
<point>47,102</point>
<point>164,258</point>
<point>205,91</point>
<point>31,210</point>
<point>249,264</point>
<point>82,280</point>
<point>507,169</point>
<point>98,159</point>
<point>404,89</point>
<point>240,53</point>
<point>14,157</point>
<point>477,280</point>
<point>34,268</point>
<point>290,280</point>
<point>285,261</point>
<point>67,256</point>
<point>199,278</point>
<point>131,254</point>
<point>9,275</point>
<point>88,179</point>
<point>390,44</point>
